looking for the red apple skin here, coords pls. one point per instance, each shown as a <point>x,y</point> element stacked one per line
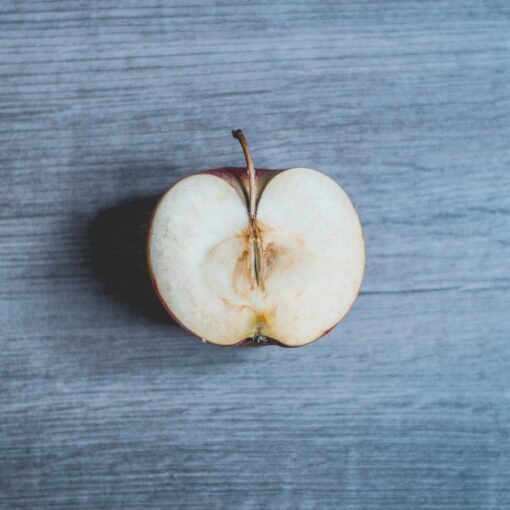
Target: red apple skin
<point>235,175</point>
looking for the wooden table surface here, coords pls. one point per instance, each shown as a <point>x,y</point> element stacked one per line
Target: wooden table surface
<point>105,403</point>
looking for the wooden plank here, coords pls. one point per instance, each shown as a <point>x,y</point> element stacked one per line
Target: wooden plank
<point>105,403</point>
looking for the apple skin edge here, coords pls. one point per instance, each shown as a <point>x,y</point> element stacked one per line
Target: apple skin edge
<point>236,176</point>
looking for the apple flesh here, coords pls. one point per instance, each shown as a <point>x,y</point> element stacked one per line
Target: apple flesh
<point>239,255</point>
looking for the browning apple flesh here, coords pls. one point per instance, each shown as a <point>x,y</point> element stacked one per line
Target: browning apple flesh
<point>256,256</point>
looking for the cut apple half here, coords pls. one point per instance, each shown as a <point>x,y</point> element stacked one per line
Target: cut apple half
<point>240,256</point>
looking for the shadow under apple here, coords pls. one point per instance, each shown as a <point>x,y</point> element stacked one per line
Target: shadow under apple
<point>118,245</point>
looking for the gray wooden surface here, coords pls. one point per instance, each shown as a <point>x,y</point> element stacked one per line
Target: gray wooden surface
<point>107,404</point>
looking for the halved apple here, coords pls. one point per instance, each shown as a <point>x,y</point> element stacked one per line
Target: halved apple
<point>246,256</point>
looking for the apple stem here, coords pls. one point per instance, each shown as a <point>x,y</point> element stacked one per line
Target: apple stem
<point>239,135</point>
<point>255,244</point>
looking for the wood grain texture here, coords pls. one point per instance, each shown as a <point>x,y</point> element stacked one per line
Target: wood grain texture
<point>105,403</point>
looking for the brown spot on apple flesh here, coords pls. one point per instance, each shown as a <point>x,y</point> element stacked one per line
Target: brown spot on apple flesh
<point>241,278</point>
<point>276,257</point>
<point>263,320</point>
<point>280,259</point>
